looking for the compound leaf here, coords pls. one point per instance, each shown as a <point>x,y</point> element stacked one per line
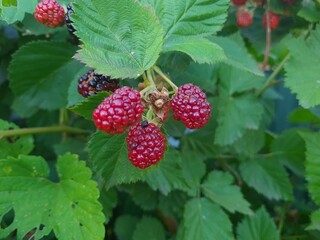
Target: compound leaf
<point>120,38</point>
<point>205,220</point>
<point>219,189</point>
<point>268,177</point>
<point>302,72</point>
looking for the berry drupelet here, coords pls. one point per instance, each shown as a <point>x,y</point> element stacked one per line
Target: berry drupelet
<point>50,13</point>
<point>146,144</point>
<point>191,107</point>
<point>91,83</point>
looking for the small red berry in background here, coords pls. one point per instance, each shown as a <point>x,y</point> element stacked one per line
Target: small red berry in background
<point>120,110</point>
<point>191,107</point>
<point>239,2</point>
<point>244,18</point>
<point>50,13</point>
<point>274,20</point>
<point>146,144</point>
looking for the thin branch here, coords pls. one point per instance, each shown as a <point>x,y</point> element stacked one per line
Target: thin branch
<point>270,81</point>
<point>158,70</point>
<point>268,38</point>
<point>41,130</point>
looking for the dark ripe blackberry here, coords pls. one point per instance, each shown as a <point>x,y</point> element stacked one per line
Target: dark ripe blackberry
<point>68,20</point>
<point>144,123</point>
<point>91,83</point>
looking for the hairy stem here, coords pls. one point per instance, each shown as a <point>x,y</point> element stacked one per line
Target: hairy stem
<point>150,79</point>
<point>40,130</point>
<point>158,70</point>
<point>270,81</point>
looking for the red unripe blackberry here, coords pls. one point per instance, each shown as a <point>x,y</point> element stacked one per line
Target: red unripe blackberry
<point>146,144</point>
<point>191,107</point>
<point>244,18</point>
<point>68,21</point>
<point>239,2</point>
<point>274,20</point>
<point>50,13</point>
<point>121,109</point>
<point>91,83</point>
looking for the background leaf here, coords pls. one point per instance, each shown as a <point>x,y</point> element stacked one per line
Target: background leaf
<point>258,227</point>
<point>268,177</point>
<point>40,75</point>
<point>149,228</point>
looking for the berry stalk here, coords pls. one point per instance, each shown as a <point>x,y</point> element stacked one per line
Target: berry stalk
<point>158,70</point>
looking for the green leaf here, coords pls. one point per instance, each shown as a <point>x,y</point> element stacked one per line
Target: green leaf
<point>219,188</point>
<point>258,227</point>
<point>8,3</point>
<point>125,226</point>
<point>70,207</point>
<point>193,169</point>
<point>15,10</point>
<point>108,155</point>
<point>250,143</point>
<point>169,175</point>
<point>14,146</point>
<point>143,196</point>
<point>108,199</point>
<point>237,55</point>
<point>189,18</point>
<point>149,228</point>
<point>268,177</point>
<point>86,107</point>
<point>40,75</point>
<point>302,72</point>
<point>71,145</point>
<point>234,80</point>
<point>313,164</point>
<point>310,12</point>
<point>302,115</point>
<point>201,50</point>
<point>120,38</point>
<point>230,126</point>
<point>289,148</point>
<point>315,221</point>
<point>206,221</point>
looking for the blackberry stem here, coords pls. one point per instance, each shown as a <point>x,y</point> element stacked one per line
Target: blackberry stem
<point>40,130</point>
<point>158,70</point>
<point>150,79</point>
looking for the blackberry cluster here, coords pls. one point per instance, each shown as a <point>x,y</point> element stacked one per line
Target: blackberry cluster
<point>91,83</point>
<point>68,21</point>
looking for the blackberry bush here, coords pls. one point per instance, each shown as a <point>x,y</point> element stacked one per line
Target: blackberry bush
<point>160,120</point>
